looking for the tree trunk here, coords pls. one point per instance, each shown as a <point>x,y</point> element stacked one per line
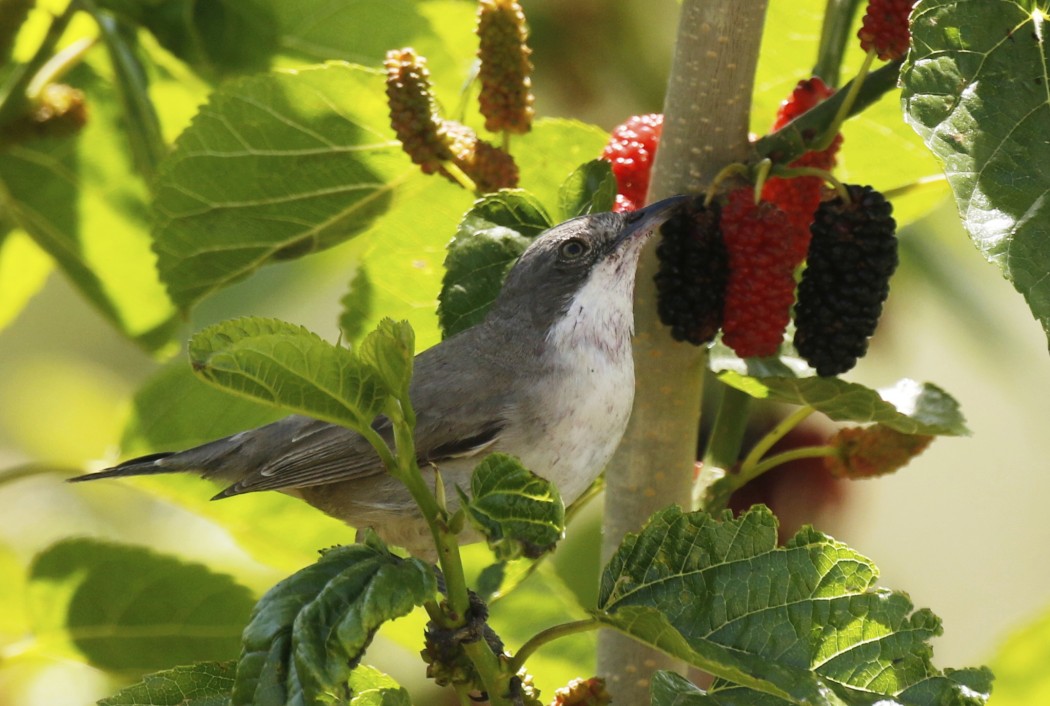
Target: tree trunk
<point>706,114</point>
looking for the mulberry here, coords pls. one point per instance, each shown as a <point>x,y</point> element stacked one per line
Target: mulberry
<point>799,197</point>
<point>691,279</point>
<point>852,255</point>
<point>761,284</point>
<point>506,89</point>
<point>413,113</point>
<point>885,28</point>
<point>431,141</point>
<point>632,149</point>
<point>865,452</point>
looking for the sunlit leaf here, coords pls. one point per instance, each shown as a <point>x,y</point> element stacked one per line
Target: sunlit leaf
<point>518,512</point>
<point>128,609</point>
<point>802,623</point>
<point>489,240</point>
<point>910,407</point>
<point>975,89</point>
<point>591,188</point>
<point>23,269</point>
<point>308,631</point>
<point>288,366</point>
<point>274,166</point>
<point>80,199</point>
<point>202,684</point>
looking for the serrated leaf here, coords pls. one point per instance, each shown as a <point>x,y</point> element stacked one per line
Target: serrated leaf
<point>322,140</point>
<point>518,512</point>
<point>976,90</point>
<point>80,200</point>
<point>909,406</point>
<point>286,365</point>
<point>389,351</point>
<point>591,188</point>
<point>202,684</point>
<point>488,241</point>
<point>126,608</point>
<point>370,687</point>
<point>308,631</point>
<point>802,623</point>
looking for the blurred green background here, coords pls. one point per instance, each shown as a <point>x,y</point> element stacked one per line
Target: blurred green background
<point>962,529</point>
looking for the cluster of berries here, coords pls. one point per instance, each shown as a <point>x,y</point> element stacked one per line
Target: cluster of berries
<point>730,265</point>
<point>505,101</point>
<point>885,28</point>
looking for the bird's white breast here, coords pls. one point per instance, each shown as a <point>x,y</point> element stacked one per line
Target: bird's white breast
<point>592,394</point>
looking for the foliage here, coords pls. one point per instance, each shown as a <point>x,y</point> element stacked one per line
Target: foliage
<point>291,154</point>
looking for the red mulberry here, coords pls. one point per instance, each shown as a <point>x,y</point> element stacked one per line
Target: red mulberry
<point>852,255</point>
<point>761,284</point>
<point>799,197</point>
<point>632,149</point>
<point>885,28</point>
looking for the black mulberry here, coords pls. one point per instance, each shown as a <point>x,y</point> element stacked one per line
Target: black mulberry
<point>691,281</point>
<point>852,254</point>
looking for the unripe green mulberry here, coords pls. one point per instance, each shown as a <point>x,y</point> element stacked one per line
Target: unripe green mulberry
<point>432,142</point>
<point>413,113</point>
<point>506,89</point>
<point>852,254</point>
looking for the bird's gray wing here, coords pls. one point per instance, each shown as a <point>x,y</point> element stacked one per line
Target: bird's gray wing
<point>459,413</point>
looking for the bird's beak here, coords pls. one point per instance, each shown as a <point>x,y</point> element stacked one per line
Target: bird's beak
<point>644,220</point>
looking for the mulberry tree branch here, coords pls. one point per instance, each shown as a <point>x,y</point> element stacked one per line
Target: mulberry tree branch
<point>705,127</point>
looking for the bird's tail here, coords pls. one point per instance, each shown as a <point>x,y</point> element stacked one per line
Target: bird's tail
<point>141,466</point>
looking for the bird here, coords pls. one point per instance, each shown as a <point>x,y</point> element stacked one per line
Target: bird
<point>547,376</point>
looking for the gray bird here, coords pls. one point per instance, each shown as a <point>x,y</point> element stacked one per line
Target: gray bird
<point>548,376</point>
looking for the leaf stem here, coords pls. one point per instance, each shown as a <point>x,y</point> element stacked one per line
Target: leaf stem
<point>144,132</point>
<point>844,108</point>
<point>767,442</point>
<point>727,432</point>
<point>14,100</point>
<point>835,34</point>
<point>788,456</point>
<point>549,635</point>
<point>453,170</point>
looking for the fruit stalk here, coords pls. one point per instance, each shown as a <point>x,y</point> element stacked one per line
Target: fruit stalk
<point>705,127</point>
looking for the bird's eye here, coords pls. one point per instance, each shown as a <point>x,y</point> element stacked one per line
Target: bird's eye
<point>573,249</point>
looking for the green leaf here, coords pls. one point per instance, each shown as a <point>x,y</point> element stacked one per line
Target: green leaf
<point>489,240</point>
<point>517,511</point>
<point>802,623</point>
<point>909,406</point>
<point>213,36</point>
<point>310,630</point>
<point>552,150</point>
<point>976,90</point>
<point>80,200</point>
<point>1020,665</point>
<point>286,365</point>
<point>175,409</point>
<point>203,684</point>
<point>591,188</point>
<point>24,268</point>
<point>370,687</point>
<point>315,31</point>
<point>399,273</point>
<point>389,351</point>
<point>128,609</point>
<point>330,164</point>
